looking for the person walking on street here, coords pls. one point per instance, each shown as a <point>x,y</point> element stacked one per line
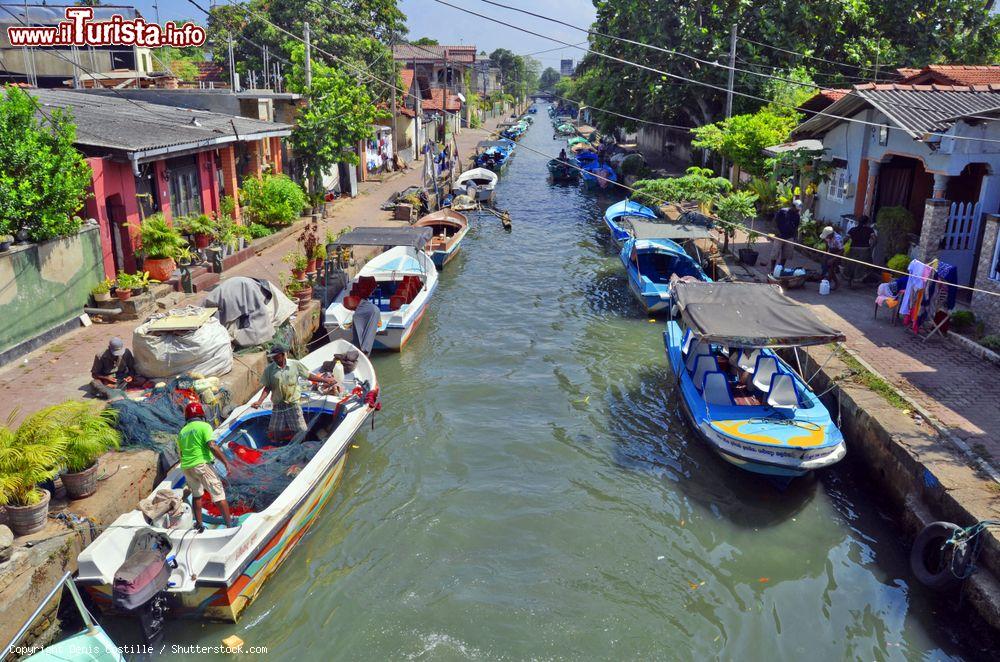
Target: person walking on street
<point>197,450</point>
<point>281,381</point>
<point>862,238</point>
<point>834,248</point>
<point>787,221</point>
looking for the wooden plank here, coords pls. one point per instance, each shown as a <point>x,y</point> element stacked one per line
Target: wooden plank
<point>182,322</point>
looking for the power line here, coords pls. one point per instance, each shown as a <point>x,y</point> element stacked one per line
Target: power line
<point>810,57</point>
<point>710,85</point>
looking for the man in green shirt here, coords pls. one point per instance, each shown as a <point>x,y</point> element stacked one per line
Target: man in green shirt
<point>281,381</point>
<point>197,450</point>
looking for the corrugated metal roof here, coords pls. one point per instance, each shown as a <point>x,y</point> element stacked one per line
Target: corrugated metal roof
<point>112,122</point>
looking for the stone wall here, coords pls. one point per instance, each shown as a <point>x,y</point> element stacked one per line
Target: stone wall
<point>43,286</point>
<point>985,306</point>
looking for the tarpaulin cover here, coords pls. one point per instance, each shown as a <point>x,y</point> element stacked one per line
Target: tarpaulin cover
<point>206,350</point>
<point>365,325</point>
<point>749,315</point>
<point>415,237</point>
<point>250,309</point>
<point>675,231</point>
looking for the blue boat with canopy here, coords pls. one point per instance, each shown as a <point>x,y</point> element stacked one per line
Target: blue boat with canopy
<point>656,253</point>
<point>749,404</point>
<point>618,216</point>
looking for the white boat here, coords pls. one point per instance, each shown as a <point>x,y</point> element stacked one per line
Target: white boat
<point>216,574</point>
<point>399,281</point>
<point>481,180</point>
<point>449,229</point>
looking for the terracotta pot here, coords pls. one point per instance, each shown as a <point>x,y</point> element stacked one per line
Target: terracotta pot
<point>4,246</point>
<point>311,267</point>
<point>123,295</point>
<point>886,276</point>
<point>160,269</point>
<point>81,484</point>
<point>202,240</point>
<point>136,291</point>
<point>298,274</point>
<point>28,519</point>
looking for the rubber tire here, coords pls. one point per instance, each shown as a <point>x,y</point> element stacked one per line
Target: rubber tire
<point>931,538</point>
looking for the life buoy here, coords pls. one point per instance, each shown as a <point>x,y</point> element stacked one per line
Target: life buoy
<point>931,558</point>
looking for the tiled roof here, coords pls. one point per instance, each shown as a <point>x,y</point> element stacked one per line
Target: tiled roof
<point>906,72</point>
<point>434,103</point>
<point>112,122</point>
<point>823,98</point>
<point>918,109</point>
<point>209,72</point>
<point>457,54</point>
<point>407,76</point>
<point>954,74</point>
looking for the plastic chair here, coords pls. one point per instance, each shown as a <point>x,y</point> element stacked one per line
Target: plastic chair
<point>747,361</point>
<point>697,349</point>
<point>766,367</point>
<point>706,363</point>
<point>783,394</point>
<point>716,389</point>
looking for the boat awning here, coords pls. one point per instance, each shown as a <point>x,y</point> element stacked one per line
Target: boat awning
<point>675,231</point>
<point>411,236</point>
<point>749,315</point>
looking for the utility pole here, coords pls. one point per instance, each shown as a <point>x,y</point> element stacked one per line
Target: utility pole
<point>308,62</point>
<point>232,66</point>
<point>729,86</point>
<point>395,141</point>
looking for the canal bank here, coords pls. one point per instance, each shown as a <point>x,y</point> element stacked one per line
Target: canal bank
<point>530,491</point>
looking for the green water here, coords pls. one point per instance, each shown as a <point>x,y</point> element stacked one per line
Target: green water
<point>531,492</point>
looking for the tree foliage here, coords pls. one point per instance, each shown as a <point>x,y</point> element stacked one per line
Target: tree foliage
<point>698,185</point>
<point>548,79</point>
<point>425,41</point>
<point>43,178</point>
<point>853,36</point>
<point>742,138</point>
<point>518,74</point>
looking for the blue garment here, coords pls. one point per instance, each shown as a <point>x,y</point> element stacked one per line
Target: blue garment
<point>948,273</point>
<point>787,219</point>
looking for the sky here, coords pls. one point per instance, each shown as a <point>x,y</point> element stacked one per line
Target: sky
<point>427,18</point>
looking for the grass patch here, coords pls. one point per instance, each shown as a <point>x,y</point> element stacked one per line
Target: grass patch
<point>865,377</point>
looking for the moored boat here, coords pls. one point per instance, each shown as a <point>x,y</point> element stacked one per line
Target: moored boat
<point>653,255</point>
<point>740,397</point>
<point>481,180</point>
<point>618,216</point>
<point>563,171</point>
<point>494,154</point>
<point>399,282</point>
<point>155,561</point>
<point>449,229</point>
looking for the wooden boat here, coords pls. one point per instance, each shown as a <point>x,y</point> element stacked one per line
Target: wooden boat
<point>764,418</point>
<point>481,180</point>
<point>618,216</point>
<point>561,171</point>
<point>653,256</point>
<point>450,229</point>
<point>216,574</point>
<point>399,281</point>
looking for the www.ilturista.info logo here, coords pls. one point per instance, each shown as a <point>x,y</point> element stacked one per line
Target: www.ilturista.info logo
<point>79,29</point>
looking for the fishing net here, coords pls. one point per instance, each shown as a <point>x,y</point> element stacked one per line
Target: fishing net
<point>154,421</point>
<point>259,477</point>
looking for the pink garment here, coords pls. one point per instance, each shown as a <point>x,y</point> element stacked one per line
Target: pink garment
<point>918,273</point>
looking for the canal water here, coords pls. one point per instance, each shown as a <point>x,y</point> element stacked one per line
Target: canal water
<point>531,492</point>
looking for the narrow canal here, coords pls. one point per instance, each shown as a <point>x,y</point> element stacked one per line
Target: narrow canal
<point>531,492</point>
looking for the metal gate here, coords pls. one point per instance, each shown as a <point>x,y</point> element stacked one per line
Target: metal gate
<point>958,246</point>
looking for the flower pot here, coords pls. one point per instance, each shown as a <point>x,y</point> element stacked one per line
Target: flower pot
<point>28,519</point>
<point>748,256</point>
<point>298,274</point>
<point>886,276</point>
<point>160,269</point>
<point>202,241</point>
<point>81,484</point>
<point>123,294</point>
<point>21,236</point>
<point>311,267</point>
<point>100,297</point>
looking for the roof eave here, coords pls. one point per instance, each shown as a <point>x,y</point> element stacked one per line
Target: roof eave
<point>156,153</point>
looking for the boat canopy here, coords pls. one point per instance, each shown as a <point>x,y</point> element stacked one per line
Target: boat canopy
<point>675,231</point>
<point>749,315</point>
<point>628,208</point>
<point>499,144</point>
<point>411,236</point>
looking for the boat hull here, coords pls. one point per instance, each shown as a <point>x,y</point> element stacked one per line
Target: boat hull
<point>442,258</point>
<point>391,339</point>
<point>652,302</point>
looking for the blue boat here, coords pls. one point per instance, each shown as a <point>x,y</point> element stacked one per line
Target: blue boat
<point>618,215</point>
<point>651,264</point>
<point>740,397</point>
<point>600,175</point>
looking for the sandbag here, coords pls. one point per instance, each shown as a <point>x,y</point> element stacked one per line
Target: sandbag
<point>206,350</point>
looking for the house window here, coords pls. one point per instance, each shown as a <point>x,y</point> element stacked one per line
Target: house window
<point>836,186</point>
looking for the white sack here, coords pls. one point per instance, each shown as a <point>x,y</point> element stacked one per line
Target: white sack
<point>206,350</point>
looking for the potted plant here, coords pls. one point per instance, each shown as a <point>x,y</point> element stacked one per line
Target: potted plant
<point>310,240</point>
<point>5,241</point>
<point>201,228</point>
<point>297,262</point>
<point>141,282</point>
<point>898,262</point>
<point>749,255</point>
<point>160,243</point>
<point>86,432</point>
<point>24,463</point>
<point>185,256</point>
<point>102,291</point>
<point>125,284</point>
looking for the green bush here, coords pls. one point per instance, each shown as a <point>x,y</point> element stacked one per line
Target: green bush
<point>990,342</point>
<point>698,185</point>
<point>898,262</point>
<point>894,225</point>
<point>158,239</point>
<point>274,200</point>
<point>963,319</point>
<point>257,230</point>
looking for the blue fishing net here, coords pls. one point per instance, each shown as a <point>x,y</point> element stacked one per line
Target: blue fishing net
<point>153,422</point>
<point>257,485</point>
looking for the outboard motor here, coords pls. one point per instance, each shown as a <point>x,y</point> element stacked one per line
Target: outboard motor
<point>140,584</point>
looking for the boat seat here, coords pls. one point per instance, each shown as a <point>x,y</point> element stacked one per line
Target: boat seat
<point>396,301</point>
<point>716,389</point>
<point>367,283</point>
<point>747,361</point>
<point>697,349</point>
<point>783,393</point>
<point>705,364</point>
<point>686,341</point>
<point>766,367</point>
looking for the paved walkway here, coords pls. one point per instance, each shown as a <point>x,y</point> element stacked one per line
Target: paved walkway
<point>958,389</point>
<point>60,370</point>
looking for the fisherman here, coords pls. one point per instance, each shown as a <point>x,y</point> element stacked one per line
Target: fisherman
<point>197,448</point>
<point>114,369</point>
<point>834,247</point>
<point>562,155</point>
<point>787,221</point>
<point>281,381</point>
